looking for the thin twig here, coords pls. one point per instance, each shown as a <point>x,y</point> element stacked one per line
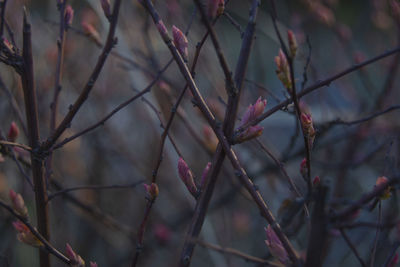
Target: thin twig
<point>115,110</point>
<point>352,247</point>
<point>376,235</point>
<point>317,85</point>
<point>228,126</point>
<point>235,252</point>
<point>24,147</point>
<point>93,187</point>
<point>364,199</point>
<point>66,122</point>
<point>368,118</point>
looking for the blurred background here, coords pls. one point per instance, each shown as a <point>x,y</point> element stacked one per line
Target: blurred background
<point>101,224</point>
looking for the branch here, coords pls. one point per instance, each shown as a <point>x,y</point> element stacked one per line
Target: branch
<point>352,247</point>
<point>378,190</point>
<point>28,85</point>
<point>111,41</point>
<point>25,147</point>
<point>240,172</point>
<point>48,247</point>
<point>317,85</point>
<point>115,110</point>
<point>228,126</point>
<point>235,252</point>
<point>368,118</point>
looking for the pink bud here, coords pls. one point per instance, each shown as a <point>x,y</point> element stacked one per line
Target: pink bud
<point>186,176</point>
<point>253,111</point>
<point>161,27</point>
<point>18,203</point>
<point>275,245</point>
<point>292,43</point>
<point>90,30</point>
<point>283,70</point>
<point>8,46</point>
<point>250,133</point>
<point>162,233</point>
<point>204,175</point>
<point>76,260</point>
<point>25,235</point>
<point>303,167</point>
<point>259,107</point>
<point>69,15</point>
<point>180,42</point>
<point>13,132</point>
<point>316,180</point>
<point>211,141</point>
<point>394,261</point>
<point>93,264</point>
<point>383,180</point>
<point>151,190</point>
<point>105,5</point>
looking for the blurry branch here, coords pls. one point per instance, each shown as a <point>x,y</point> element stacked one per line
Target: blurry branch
<point>59,67</point>
<point>281,167</point>
<point>305,77</point>
<point>267,90</point>
<point>14,106</point>
<point>94,211</point>
<point>25,147</point>
<point>352,247</point>
<point>11,153</point>
<point>364,200</point>
<point>234,23</point>
<point>158,114</point>
<point>111,41</point>
<point>375,244</point>
<point>31,110</point>
<point>63,27</point>
<point>235,252</point>
<point>115,110</point>
<point>339,121</point>
<point>318,85</point>
<point>124,58</point>
<point>231,89</point>
<point>47,246</point>
<point>93,187</point>
<point>391,254</point>
<point>367,224</point>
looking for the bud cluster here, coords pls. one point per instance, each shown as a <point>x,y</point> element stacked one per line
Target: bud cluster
<point>252,112</point>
